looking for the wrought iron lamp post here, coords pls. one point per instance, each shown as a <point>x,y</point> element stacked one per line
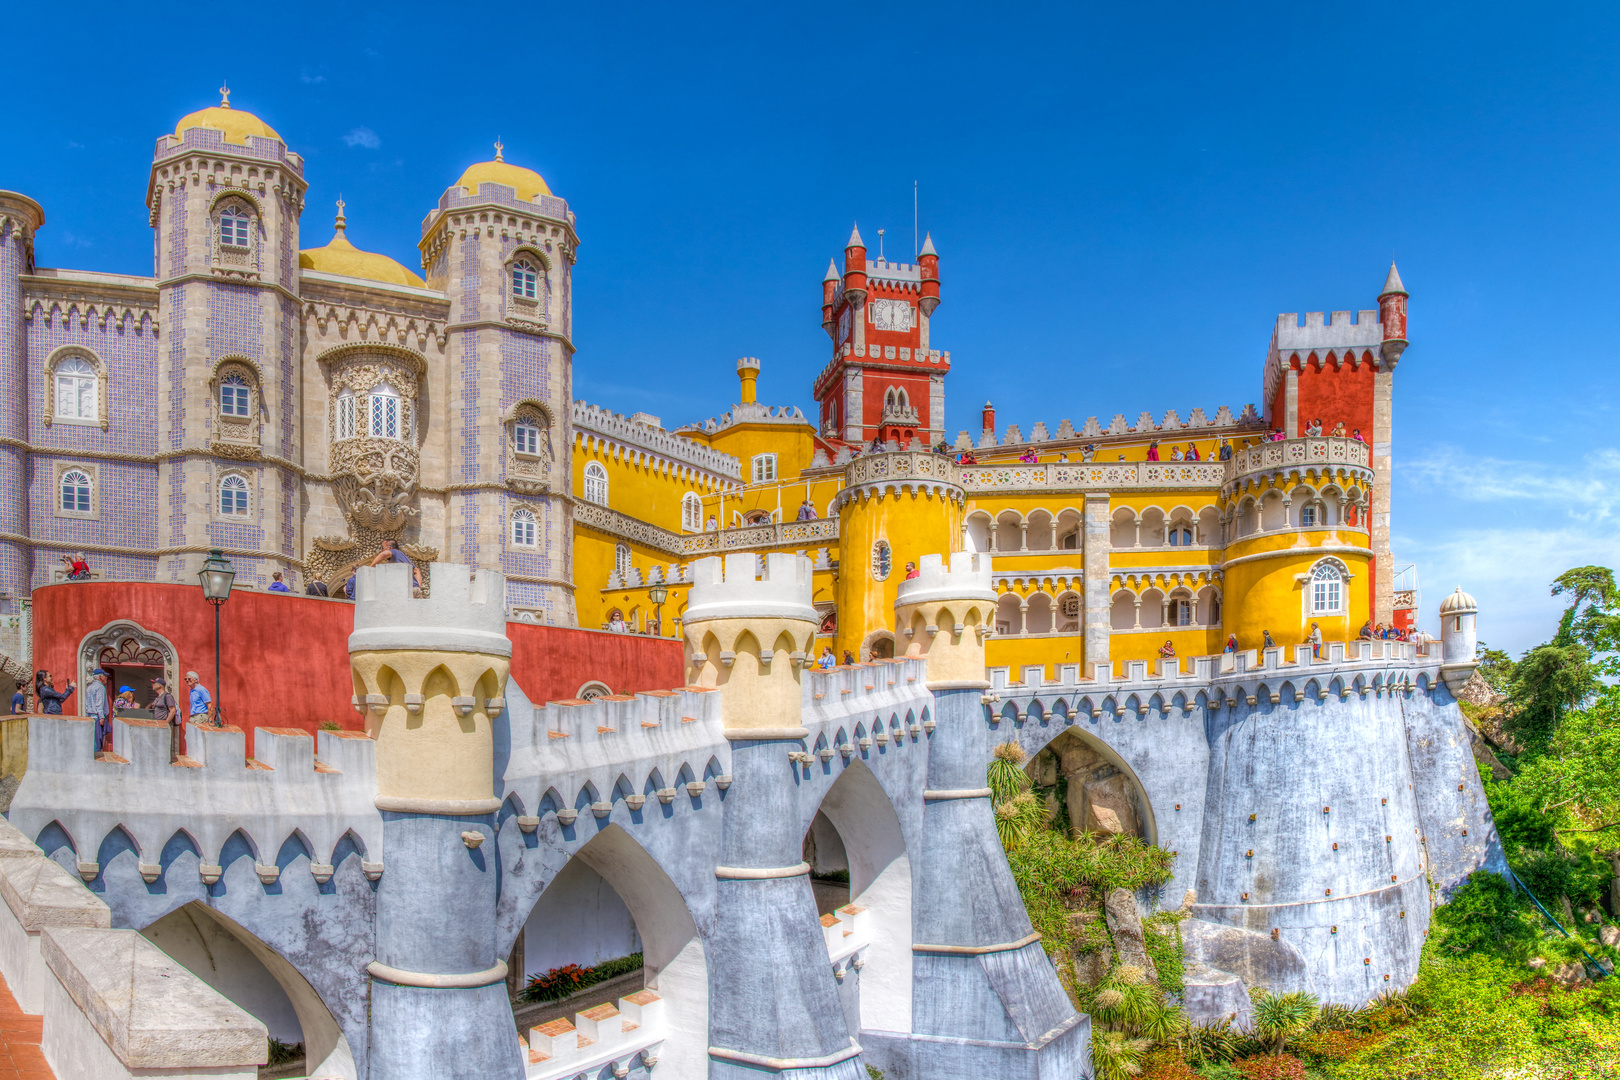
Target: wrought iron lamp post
<point>216,576</point>
<point>656,594</point>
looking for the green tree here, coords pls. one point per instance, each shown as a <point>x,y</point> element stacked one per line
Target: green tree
<point>1575,786</point>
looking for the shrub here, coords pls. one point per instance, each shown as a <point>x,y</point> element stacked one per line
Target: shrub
<point>1117,1056</point>
<point>1270,1067</point>
<point>283,1053</point>
<point>1337,1045</point>
<point>1486,915</point>
<point>331,725</point>
<point>1281,1018</point>
<point>1167,1063</point>
<point>558,983</point>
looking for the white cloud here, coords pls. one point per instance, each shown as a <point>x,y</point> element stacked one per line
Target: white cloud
<point>1588,491</point>
<point>363,137</point>
<point>307,78</point>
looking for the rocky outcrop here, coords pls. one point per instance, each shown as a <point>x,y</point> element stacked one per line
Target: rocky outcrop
<point>1209,996</point>
<point>1255,958</point>
<point>1125,924</point>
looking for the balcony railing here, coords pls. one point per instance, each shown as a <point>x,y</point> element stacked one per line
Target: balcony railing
<point>787,534</point>
<point>1300,454</point>
<point>1090,476</point>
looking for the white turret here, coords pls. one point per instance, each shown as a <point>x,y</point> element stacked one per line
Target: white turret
<point>947,612</point>
<point>749,636</point>
<point>1458,639</point>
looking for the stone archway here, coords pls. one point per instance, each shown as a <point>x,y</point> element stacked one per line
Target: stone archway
<point>1099,791</point>
<point>131,653</point>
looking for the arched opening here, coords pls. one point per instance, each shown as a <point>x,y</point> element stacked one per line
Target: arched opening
<point>1038,619</point>
<point>1122,611</point>
<point>1009,617</point>
<point>232,960</point>
<point>1040,531</point>
<point>1009,536</point>
<point>612,894</point>
<point>1068,531</point>
<point>1122,528</point>
<point>1153,528</point>
<point>978,532</point>
<point>1152,610</point>
<point>879,645</point>
<point>1096,791</point>
<point>856,825</point>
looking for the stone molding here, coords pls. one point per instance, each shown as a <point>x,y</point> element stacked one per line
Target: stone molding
<point>785,534</point>
<point>1314,455</point>
<point>1071,476</point>
<point>618,429</point>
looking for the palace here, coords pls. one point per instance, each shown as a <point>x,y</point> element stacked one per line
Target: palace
<point>295,406</point>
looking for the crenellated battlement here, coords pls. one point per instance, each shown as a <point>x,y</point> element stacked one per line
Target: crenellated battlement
<point>466,611</point>
<point>730,590</point>
<point>1327,330</point>
<point>966,578</point>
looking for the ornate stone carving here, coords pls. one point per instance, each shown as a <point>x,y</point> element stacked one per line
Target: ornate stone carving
<point>375,471</point>
<point>529,472</point>
<point>376,480</point>
<point>335,557</point>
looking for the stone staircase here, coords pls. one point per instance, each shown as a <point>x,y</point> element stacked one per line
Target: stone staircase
<point>562,1050</point>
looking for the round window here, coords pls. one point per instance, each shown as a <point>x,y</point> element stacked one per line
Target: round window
<point>882,560</point>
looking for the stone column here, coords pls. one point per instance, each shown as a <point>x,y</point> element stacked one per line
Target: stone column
<point>1382,455</point>
<point>1023,536</point>
<point>432,673</point>
<point>781,1014</point>
<point>1291,402</point>
<point>20,217</point>
<point>1095,561</point>
<point>985,999</point>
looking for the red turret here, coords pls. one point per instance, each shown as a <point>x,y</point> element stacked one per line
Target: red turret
<point>855,268</point>
<point>1392,314</point>
<point>829,290</point>
<point>928,262</point>
<point>989,419</point>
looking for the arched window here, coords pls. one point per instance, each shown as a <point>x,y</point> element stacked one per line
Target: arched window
<point>75,496</point>
<point>76,397</point>
<point>1180,536</point>
<point>596,484</point>
<point>233,228</point>
<point>1327,589</point>
<point>1307,515</point>
<point>344,423</point>
<point>523,529</point>
<point>385,413</point>
<point>526,439</point>
<point>882,560</point>
<point>233,396</point>
<point>233,496</point>
<point>691,512</point>
<point>621,559</point>
<point>525,280</point>
<point>762,469</point>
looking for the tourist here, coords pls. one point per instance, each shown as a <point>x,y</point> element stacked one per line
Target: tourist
<point>77,568</point>
<point>1226,450</point>
<point>1338,430</point>
<point>1029,457</point>
<point>1231,643</point>
<point>1315,638</point>
<point>807,512</point>
<point>1167,651</point>
<point>276,584</point>
<point>828,661</point>
<point>50,698</point>
<point>1356,435</point>
<point>1192,452</point>
<point>1063,459</point>
<point>1314,428</point>
<point>1153,451</point>
<point>125,701</point>
<point>390,553</point>
<point>912,571</point>
<point>316,588</point>
<point>1176,454</point>
<point>849,658</point>
<point>1366,633</point>
<point>877,445</point>
<point>96,708</point>
<point>711,525</point>
<point>1088,451</point>
<point>616,624</point>
<point>166,709</point>
<point>200,701</point>
<point>1268,643</point>
<point>19,701</point>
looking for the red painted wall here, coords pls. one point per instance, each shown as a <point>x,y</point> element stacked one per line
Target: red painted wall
<point>1332,396</point>
<point>285,658</point>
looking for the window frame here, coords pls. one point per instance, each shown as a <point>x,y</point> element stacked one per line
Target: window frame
<point>381,397</point>
<point>525,279</point>
<point>1328,580</point>
<point>524,520</point>
<point>86,384</point>
<point>623,559</point>
<point>235,386</point>
<point>692,512</point>
<point>228,236</point>
<point>84,493</point>
<point>882,560</point>
<point>768,460</point>
<point>526,431</point>
<point>595,486</point>
<point>344,411</point>
<point>237,483</point>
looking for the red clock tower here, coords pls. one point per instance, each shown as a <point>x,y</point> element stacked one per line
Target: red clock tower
<point>884,382</point>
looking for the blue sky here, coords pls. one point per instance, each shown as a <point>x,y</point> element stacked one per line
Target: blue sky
<point>1123,197</point>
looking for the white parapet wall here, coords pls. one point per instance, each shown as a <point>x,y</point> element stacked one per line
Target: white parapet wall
<point>114,1006</point>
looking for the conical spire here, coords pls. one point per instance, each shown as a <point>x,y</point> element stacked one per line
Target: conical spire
<point>928,245</point>
<point>855,238</point>
<point>832,270</point>
<point>1392,284</point>
<point>342,222</point>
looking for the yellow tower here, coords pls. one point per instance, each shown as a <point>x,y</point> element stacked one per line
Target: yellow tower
<point>893,509</point>
<point>1297,544</point>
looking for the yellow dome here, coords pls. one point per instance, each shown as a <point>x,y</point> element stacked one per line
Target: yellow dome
<point>342,257</point>
<point>526,182</point>
<point>236,124</point>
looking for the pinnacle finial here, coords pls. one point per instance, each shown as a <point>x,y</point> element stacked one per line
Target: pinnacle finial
<point>498,149</point>
<point>224,95</point>
<point>928,245</point>
<point>832,270</point>
<point>855,238</point>
<point>342,222</point>
<point>1392,284</point>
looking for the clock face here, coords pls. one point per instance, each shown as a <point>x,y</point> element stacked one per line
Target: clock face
<point>843,325</point>
<point>892,315</point>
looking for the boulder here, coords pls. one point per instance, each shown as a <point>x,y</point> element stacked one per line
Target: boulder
<point>1090,968</point>
<point>1125,924</point>
<point>1209,996</point>
<point>1107,807</point>
<point>1610,935</point>
<point>1255,958</point>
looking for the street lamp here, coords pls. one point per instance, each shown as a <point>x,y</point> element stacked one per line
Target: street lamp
<point>657,594</point>
<point>215,577</point>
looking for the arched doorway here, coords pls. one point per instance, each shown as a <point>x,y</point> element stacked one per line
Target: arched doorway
<point>1092,787</point>
<point>856,827</point>
<point>132,655</point>
<point>879,645</point>
<point>226,956</point>
<point>613,895</point>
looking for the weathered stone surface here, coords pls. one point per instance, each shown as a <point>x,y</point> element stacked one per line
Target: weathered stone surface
<point>1125,924</point>
<point>1610,935</point>
<point>1476,691</point>
<point>13,844</point>
<point>41,894</point>
<point>1209,996</point>
<point>1108,806</point>
<point>1255,958</point>
<point>1090,968</point>
<point>151,1012</point>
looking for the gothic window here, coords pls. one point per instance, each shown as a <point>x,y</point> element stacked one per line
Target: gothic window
<point>621,559</point>
<point>1307,515</point>
<point>385,413</point>
<point>882,560</point>
<point>344,422</point>
<point>1180,536</point>
<point>525,281</point>
<point>233,496</point>
<point>596,484</point>
<point>233,227</point>
<point>76,391</point>
<point>75,491</point>
<point>233,396</point>
<point>691,512</point>
<point>1327,588</point>
<point>762,469</point>
<point>526,439</point>
<point>1181,613</point>
<point>524,529</point>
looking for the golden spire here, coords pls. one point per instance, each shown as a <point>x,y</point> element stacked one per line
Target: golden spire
<point>225,96</point>
<point>342,222</point>
<point>498,149</point>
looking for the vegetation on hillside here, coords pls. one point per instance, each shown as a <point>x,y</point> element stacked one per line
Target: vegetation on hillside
<point>1501,992</point>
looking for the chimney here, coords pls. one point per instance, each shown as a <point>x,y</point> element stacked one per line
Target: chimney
<point>748,375</point>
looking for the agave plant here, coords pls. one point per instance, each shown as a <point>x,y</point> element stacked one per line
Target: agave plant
<point>1335,1017</point>
<point>1206,1044</point>
<point>1018,817</point>
<point>1280,1018</point>
<point>1117,1056</point>
<point>1007,777</point>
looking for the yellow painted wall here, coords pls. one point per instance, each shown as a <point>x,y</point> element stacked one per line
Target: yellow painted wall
<point>1265,595</point>
<point>914,525</point>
